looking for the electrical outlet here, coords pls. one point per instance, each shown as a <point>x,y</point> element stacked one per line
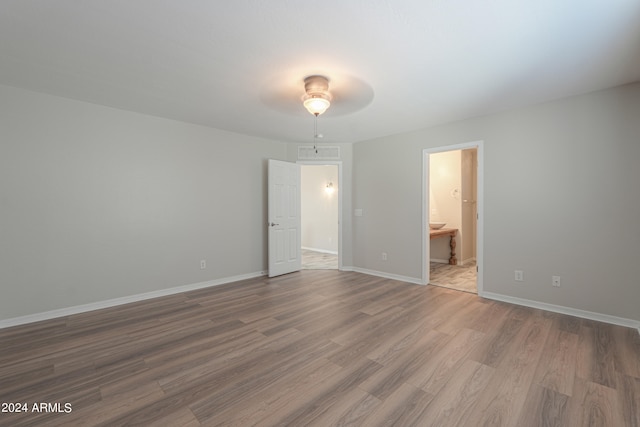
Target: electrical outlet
<point>555,281</point>
<point>519,276</point>
<point>203,264</point>
<point>384,256</point>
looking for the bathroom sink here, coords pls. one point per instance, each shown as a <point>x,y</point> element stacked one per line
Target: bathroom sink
<point>436,225</point>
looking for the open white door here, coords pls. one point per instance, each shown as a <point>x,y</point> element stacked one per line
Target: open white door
<point>284,218</point>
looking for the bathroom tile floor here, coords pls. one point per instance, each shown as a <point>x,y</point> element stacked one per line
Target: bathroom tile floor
<point>458,277</point>
<point>312,260</point>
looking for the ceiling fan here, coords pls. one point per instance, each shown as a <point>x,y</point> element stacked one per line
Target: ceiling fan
<point>316,92</point>
<point>317,97</point>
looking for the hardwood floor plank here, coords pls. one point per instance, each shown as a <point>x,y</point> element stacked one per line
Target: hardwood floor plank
<point>52,383</point>
<point>112,407</point>
<point>544,407</point>
<point>396,346</point>
<point>492,351</point>
<point>556,369</point>
<point>403,368</point>
<point>444,361</point>
<point>228,364</point>
<point>387,300</point>
<point>322,347</point>
<point>596,361</point>
<point>491,317</point>
<point>453,405</point>
<point>243,382</point>
<point>333,389</point>
<point>595,405</point>
<point>504,397</point>
<point>348,411</point>
<point>403,408</point>
<point>460,318</point>
<point>17,376</point>
<point>629,397</point>
<point>276,398</point>
<point>625,345</point>
<point>568,324</point>
<point>183,417</point>
<point>368,326</point>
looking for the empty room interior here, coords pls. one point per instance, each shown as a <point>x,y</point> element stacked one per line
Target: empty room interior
<point>397,213</point>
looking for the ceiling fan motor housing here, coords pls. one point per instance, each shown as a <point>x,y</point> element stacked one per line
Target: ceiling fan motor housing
<point>316,85</point>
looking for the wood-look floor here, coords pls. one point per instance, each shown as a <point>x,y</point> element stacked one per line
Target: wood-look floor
<point>322,348</point>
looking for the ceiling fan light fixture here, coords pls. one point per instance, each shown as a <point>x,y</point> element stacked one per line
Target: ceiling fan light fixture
<point>316,104</point>
<point>317,97</point>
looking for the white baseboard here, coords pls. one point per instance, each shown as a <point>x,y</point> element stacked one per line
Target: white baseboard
<point>518,301</point>
<point>439,261</point>
<point>385,275</point>
<point>7,323</point>
<point>324,251</point>
<point>606,318</point>
<point>37,317</point>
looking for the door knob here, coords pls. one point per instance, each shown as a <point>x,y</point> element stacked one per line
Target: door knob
<point>273,224</point>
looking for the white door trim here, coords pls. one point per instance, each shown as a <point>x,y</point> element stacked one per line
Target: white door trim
<point>479,145</point>
<point>340,193</point>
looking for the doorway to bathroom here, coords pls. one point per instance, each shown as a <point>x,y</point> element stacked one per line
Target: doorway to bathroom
<point>452,232</point>
<point>320,216</point>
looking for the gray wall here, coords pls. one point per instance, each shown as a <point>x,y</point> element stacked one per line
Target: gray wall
<point>98,203</point>
<point>561,198</point>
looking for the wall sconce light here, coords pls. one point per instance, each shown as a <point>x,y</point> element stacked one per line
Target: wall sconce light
<point>329,188</point>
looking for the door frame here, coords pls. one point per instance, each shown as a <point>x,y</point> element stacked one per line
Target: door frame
<point>340,193</point>
<point>426,249</point>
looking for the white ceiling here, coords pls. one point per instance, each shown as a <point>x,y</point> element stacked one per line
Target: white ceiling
<point>415,63</point>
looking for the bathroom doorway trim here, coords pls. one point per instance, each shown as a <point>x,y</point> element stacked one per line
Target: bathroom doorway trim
<point>340,185</point>
<point>479,145</point>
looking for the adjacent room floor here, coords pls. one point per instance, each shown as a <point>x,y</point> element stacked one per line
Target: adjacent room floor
<point>313,260</point>
<point>458,277</point>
